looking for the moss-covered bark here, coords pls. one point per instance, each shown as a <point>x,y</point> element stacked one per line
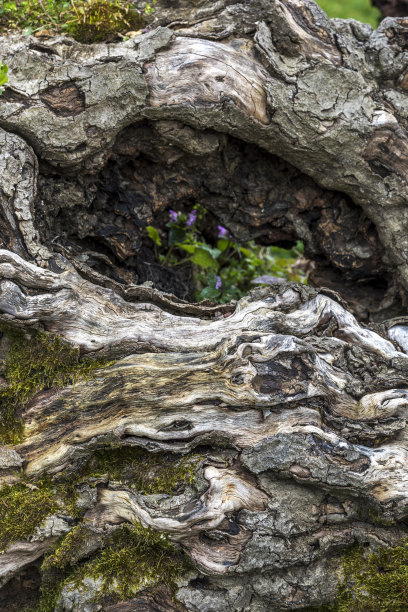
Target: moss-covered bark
<point>35,362</point>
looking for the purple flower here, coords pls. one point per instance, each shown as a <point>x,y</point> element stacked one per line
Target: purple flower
<point>173,216</point>
<point>218,284</point>
<point>222,232</point>
<point>192,218</point>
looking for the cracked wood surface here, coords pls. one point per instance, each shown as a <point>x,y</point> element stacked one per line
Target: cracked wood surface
<point>297,410</point>
<point>310,405</point>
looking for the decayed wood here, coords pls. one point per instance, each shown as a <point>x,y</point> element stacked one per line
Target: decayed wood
<point>285,125</point>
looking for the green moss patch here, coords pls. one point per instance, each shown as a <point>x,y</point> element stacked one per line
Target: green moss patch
<point>23,507</point>
<point>65,554</point>
<point>132,558</point>
<point>33,364</point>
<point>135,557</point>
<point>375,582</point>
<point>146,472</point>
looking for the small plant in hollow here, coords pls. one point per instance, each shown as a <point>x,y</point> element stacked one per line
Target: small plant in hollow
<point>222,271</point>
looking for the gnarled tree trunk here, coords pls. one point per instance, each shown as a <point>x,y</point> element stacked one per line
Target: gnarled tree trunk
<point>285,125</point>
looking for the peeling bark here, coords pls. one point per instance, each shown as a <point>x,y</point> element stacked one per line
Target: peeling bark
<point>285,125</point>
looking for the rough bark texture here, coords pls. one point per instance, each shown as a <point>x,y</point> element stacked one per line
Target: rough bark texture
<point>268,82</point>
<point>285,125</point>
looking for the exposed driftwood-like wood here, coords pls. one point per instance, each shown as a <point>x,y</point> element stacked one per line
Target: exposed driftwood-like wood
<point>309,403</point>
<point>285,125</point>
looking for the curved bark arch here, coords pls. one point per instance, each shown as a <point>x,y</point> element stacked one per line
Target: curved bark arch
<point>327,105</point>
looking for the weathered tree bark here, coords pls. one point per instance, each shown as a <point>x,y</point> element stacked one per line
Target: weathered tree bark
<point>286,126</point>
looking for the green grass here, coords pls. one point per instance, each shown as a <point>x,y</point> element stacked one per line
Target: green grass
<point>361,10</point>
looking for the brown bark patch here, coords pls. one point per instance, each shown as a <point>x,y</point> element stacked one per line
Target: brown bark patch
<point>392,8</point>
<point>387,152</point>
<point>65,101</point>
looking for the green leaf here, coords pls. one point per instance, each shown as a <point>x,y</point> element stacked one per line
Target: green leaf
<point>176,235</point>
<point>300,247</point>
<point>215,253</point>
<point>204,259</point>
<point>246,252</point>
<point>222,244</point>
<point>211,279</point>
<point>190,248</point>
<point>154,235</point>
<point>209,293</point>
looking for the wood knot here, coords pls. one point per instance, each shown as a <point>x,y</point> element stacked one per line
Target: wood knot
<point>299,471</point>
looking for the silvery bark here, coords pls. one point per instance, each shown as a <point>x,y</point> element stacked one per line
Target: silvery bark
<point>286,125</point>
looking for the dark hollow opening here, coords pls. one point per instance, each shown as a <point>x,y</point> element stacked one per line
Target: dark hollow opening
<point>157,166</point>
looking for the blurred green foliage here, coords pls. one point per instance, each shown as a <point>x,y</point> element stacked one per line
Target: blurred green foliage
<point>3,75</point>
<point>361,10</point>
<point>32,15</point>
<point>223,270</point>
<point>98,20</point>
<point>86,20</point>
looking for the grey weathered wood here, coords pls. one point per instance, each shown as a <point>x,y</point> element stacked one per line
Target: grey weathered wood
<point>301,409</point>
